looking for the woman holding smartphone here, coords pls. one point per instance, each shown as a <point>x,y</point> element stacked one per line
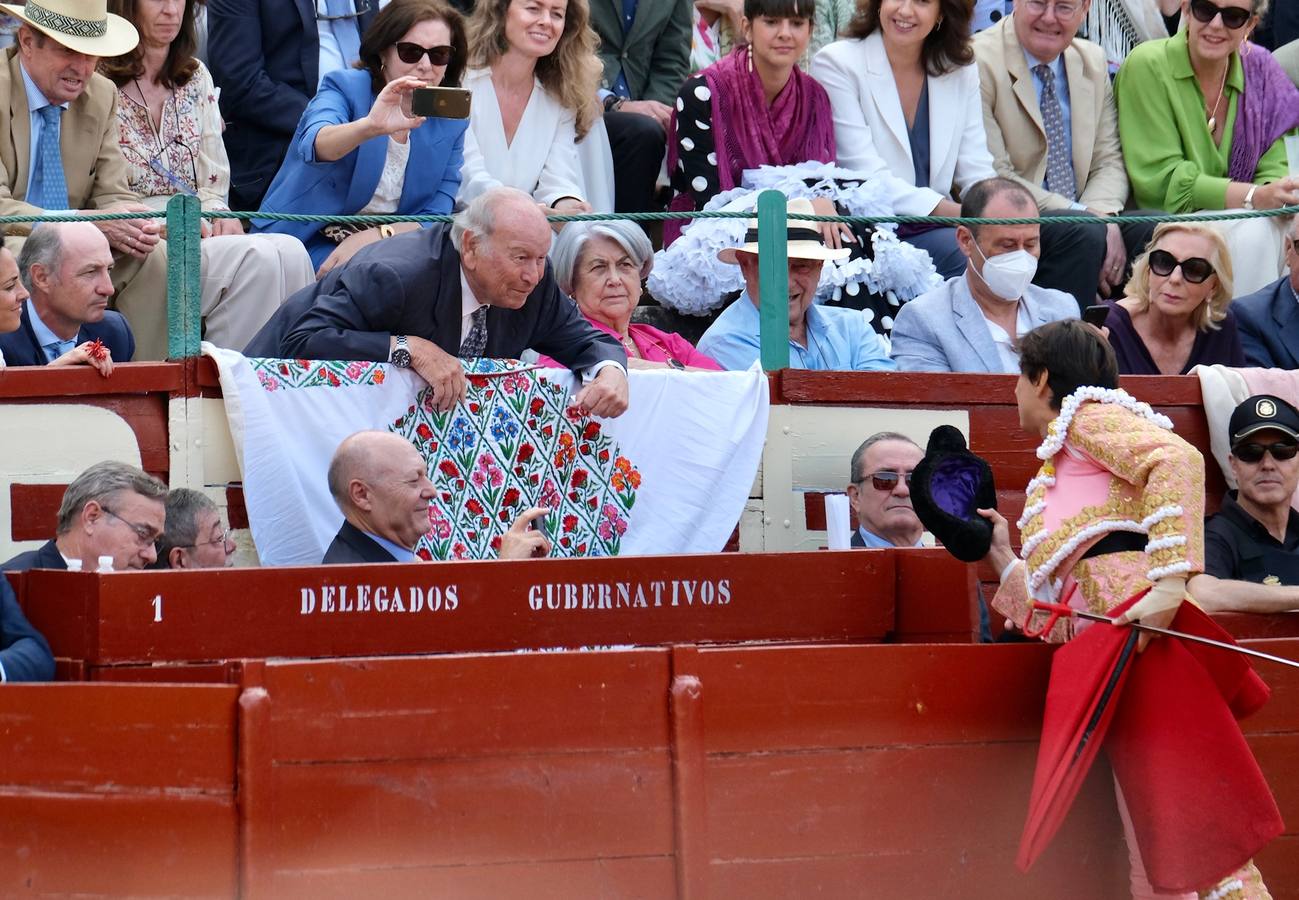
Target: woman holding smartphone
<point>356,143</point>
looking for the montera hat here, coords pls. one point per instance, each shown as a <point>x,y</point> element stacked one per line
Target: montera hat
<point>83,26</point>
<point>805,240</point>
<point>947,486</point>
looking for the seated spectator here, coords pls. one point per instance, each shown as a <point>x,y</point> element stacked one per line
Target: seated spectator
<point>1177,312</point>
<point>880,492</point>
<point>905,98</point>
<point>1268,319</point>
<point>1048,110</point>
<point>534,81</point>
<point>111,509</point>
<point>645,51</point>
<point>973,322</point>
<point>170,133</point>
<point>481,286</point>
<point>355,146</point>
<point>1201,125</point>
<point>753,108</point>
<point>24,652</point>
<point>193,537</point>
<point>65,267</point>
<point>1251,547</point>
<point>820,337</point>
<point>61,153</point>
<point>12,295</point>
<point>381,485</point>
<point>269,57</point>
<point>601,265</point>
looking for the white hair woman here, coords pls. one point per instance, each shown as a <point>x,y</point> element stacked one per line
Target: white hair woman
<point>602,265</point>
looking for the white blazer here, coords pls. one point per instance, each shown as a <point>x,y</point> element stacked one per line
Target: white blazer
<point>542,160</point>
<point>870,130</point>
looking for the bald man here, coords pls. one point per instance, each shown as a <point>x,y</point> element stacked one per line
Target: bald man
<point>380,483</point>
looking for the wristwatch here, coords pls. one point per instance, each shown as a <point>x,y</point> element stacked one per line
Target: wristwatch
<point>613,103</point>
<point>674,363</point>
<point>1249,198</point>
<point>400,355</point>
<point>386,231</point>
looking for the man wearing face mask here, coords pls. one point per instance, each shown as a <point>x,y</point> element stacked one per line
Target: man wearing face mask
<point>972,323</point>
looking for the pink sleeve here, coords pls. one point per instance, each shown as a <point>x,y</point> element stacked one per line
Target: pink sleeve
<point>683,350</point>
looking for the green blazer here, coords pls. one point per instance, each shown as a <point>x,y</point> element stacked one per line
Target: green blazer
<point>654,53</point>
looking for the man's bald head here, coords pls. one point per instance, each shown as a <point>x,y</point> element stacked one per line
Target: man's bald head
<point>380,483</point>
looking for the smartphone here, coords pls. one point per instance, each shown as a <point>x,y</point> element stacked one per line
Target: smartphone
<point>437,102</point>
<point>1096,315</point>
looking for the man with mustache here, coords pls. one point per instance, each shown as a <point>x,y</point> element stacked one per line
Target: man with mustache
<point>1251,547</point>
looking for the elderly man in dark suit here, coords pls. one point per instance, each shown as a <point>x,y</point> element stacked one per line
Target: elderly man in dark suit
<point>481,287</point>
<point>1268,319</point>
<point>381,485</point>
<point>645,49</point>
<point>66,266</point>
<point>267,57</point>
<point>24,653</point>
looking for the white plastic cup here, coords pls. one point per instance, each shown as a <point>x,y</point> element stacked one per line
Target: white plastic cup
<point>1292,153</point>
<point>105,564</point>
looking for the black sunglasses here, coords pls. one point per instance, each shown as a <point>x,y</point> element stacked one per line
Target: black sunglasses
<point>1252,453</point>
<point>885,481</point>
<point>410,53</point>
<point>1195,270</point>
<point>1232,16</point>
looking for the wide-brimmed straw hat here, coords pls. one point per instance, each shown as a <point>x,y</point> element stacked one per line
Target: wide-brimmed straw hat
<point>805,241</point>
<point>83,26</point>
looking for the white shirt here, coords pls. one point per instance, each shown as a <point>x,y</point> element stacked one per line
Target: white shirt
<point>1005,343</point>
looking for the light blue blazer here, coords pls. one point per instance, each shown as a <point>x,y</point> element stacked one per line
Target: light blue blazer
<point>944,330</point>
<point>305,184</point>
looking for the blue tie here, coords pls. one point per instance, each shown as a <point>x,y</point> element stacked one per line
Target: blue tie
<point>347,31</point>
<point>49,190</point>
<point>57,348</point>
<point>620,86</point>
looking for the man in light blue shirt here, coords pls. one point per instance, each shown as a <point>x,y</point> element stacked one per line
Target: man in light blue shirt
<point>820,337</point>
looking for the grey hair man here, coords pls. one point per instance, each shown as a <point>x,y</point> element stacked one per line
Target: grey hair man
<point>194,536</point>
<point>879,492</point>
<point>1268,319</point>
<point>110,510</point>
<point>424,299</point>
<point>381,485</point>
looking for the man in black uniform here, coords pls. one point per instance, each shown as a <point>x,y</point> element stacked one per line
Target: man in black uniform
<point>1251,547</point>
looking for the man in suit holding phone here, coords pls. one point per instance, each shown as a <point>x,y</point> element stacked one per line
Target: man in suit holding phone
<point>482,286</point>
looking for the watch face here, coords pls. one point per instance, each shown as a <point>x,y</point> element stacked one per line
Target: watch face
<point>400,358</point>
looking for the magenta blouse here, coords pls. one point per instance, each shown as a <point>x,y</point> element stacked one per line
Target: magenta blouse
<point>654,345</point>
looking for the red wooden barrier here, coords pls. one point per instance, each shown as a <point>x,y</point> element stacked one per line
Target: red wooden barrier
<point>118,790</point>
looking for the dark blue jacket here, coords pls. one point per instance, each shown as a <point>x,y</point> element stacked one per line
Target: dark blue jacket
<point>46,556</point>
<point>343,187</point>
<point>352,545</point>
<point>24,653</point>
<point>265,58</point>
<point>1268,322</point>
<point>20,348</point>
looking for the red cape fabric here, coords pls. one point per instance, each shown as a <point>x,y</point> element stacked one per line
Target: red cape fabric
<point>1198,801</point>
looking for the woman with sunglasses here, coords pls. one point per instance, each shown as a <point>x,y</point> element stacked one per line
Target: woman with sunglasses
<point>355,145</point>
<point>169,129</point>
<point>1117,509</point>
<point>1202,115</point>
<point>1176,313</point>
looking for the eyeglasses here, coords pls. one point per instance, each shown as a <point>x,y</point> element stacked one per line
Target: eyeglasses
<point>1252,453</point>
<point>222,539</point>
<point>362,7</point>
<point>410,53</point>
<point>161,164</point>
<point>1062,10</point>
<point>1232,16</point>
<point>885,481</point>
<point>144,535</point>
<point>1195,270</point>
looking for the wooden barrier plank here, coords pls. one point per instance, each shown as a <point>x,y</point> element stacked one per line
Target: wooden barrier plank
<point>936,600</point>
<point>1279,864</point>
<point>1258,626</point>
<point>633,878</point>
<point>81,383</point>
<point>1281,713</point>
<point>133,617</point>
<point>871,696</point>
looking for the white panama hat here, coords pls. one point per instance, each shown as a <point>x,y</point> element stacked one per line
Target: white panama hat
<point>83,26</point>
<point>804,237</point>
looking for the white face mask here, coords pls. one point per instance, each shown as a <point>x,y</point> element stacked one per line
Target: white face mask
<point>1007,275</point>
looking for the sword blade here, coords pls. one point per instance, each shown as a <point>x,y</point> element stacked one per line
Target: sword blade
<point>1235,648</point>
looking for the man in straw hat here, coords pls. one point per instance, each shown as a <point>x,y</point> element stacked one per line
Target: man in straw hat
<point>820,337</point>
<point>59,149</point>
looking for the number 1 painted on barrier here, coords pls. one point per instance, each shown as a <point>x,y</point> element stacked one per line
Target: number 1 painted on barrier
<point>157,608</point>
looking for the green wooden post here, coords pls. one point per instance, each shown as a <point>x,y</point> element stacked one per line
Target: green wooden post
<point>183,286</point>
<point>773,280</point>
